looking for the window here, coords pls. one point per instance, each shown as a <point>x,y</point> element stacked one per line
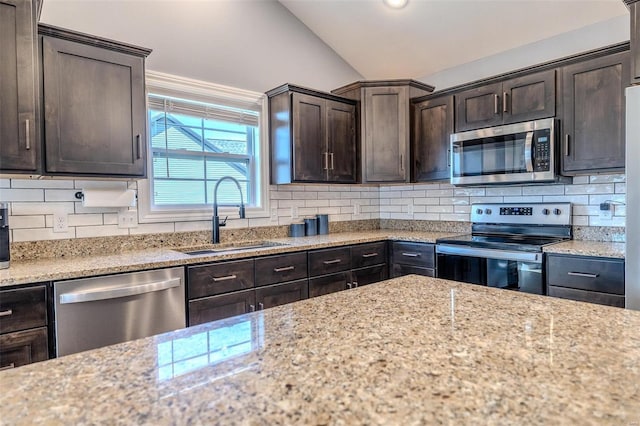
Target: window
<point>197,135</point>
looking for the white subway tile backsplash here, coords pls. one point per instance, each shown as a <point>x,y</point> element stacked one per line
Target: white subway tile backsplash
<point>439,193</point>
<point>576,199</point>
<point>606,178</point>
<point>543,190</point>
<point>469,192</point>
<point>100,184</point>
<point>280,195</point>
<point>316,203</point>
<point>578,180</point>
<point>476,200</point>
<point>580,220</point>
<point>316,188</point>
<point>100,231</point>
<point>153,228</point>
<point>426,216</point>
<point>304,196</point>
<point>440,209</point>
<point>85,219</point>
<point>23,222</point>
<point>620,188</point>
<point>37,234</point>
<point>523,199</point>
<point>339,203</point>
<point>604,198</point>
<point>40,208</point>
<point>41,183</point>
<point>110,219</point>
<point>507,190</point>
<point>614,221</point>
<point>589,189</point>
<point>200,225</point>
<point>455,217</point>
<point>5,183</point>
<point>290,203</point>
<point>21,195</point>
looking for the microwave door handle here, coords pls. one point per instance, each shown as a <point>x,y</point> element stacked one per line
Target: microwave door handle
<point>528,151</point>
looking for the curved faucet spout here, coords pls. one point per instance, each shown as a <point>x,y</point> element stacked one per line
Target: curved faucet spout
<point>215,234</point>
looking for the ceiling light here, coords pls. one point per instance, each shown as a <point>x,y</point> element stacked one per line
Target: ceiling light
<point>396,4</point>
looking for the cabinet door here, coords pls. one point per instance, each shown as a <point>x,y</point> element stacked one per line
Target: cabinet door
<point>530,97</point>
<point>23,308</point>
<point>386,134</point>
<point>594,114</point>
<point>369,275</point>
<point>23,347</point>
<point>218,278</point>
<point>479,107</point>
<point>281,268</point>
<point>94,110</point>
<point>328,261</point>
<point>309,139</point>
<point>432,128</point>
<point>329,284</point>
<point>635,42</point>
<point>280,294</point>
<point>341,142</point>
<point>18,139</point>
<point>369,254</point>
<point>219,307</point>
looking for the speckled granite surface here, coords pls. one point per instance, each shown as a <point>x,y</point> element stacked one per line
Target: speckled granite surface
<point>588,248</point>
<point>23,272</point>
<point>397,352</point>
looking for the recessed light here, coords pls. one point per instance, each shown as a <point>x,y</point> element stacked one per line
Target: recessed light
<point>396,4</point>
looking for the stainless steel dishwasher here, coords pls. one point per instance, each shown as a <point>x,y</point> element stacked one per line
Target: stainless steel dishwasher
<point>100,311</point>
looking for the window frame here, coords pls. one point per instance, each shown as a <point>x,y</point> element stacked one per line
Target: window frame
<point>180,87</point>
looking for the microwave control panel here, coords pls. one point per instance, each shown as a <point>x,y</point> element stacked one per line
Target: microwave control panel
<point>542,152</point>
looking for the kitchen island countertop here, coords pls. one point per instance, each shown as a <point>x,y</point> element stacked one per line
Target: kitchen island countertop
<point>411,350</point>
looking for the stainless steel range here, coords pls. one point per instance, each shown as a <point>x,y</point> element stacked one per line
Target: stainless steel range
<point>505,247</point>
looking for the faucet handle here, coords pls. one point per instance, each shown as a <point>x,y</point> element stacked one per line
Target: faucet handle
<point>224,222</point>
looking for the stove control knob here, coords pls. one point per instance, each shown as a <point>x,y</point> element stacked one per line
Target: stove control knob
<point>488,211</point>
<point>479,211</point>
<point>545,212</point>
<point>557,212</point>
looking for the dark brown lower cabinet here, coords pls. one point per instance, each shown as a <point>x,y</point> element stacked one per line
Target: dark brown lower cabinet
<point>281,294</point>
<point>370,275</point>
<point>398,270</point>
<point>223,306</point>
<point>326,284</point>
<point>23,347</point>
<point>412,258</point>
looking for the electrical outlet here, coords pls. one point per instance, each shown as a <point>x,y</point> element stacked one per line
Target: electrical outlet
<point>294,212</point>
<point>128,219</point>
<point>274,214</point>
<point>606,211</point>
<point>409,208</point>
<point>60,222</point>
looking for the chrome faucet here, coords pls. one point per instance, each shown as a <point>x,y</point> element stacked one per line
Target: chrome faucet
<point>215,234</point>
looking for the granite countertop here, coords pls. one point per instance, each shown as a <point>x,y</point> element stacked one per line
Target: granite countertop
<point>404,351</point>
<point>25,272</point>
<point>588,248</point>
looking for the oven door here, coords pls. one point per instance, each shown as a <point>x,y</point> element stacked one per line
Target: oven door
<point>521,271</point>
<point>520,152</point>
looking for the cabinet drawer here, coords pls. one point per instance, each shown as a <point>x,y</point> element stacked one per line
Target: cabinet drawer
<point>23,308</point>
<point>587,296</point>
<point>586,273</point>
<point>218,278</point>
<point>399,270</point>
<point>329,284</point>
<point>323,262</point>
<point>368,254</point>
<point>416,254</point>
<point>281,294</point>
<point>219,307</point>
<point>23,347</point>
<point>278,269</point>
<point>370,275</point>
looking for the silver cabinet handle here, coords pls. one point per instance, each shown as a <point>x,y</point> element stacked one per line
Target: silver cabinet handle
<point>115,293</point>
<point>496,100</point>
<point>349,285</point>
<point>331,154</point>
<point>411,254</point>
<point>370,255</point>
<point>286,268</point>
<point>260,306</point>
<point>8,367</point>
<point>138,147</point>
<point>449,158</point>
<point>225,278</point>
<point>504,102</point>
<point>566,145</point>
<point>27,135</point>
<point>582,274</point>
<point>331,262</point>
<point>252,308</point>
<point>355,284</point>
<point>325,156</point>
<point>6,313</point>
<point>401,163</point>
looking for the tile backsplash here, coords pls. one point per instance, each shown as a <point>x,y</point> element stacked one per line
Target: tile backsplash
<point>33,203</point>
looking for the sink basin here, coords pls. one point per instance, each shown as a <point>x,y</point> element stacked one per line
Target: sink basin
<point>225,248</point>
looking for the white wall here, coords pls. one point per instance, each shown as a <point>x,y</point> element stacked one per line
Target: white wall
<point>251,44</point>
<point>594,36</point>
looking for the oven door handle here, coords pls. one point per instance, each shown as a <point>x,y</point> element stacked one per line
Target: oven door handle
<point>520,256</point>
<point>528,151</point>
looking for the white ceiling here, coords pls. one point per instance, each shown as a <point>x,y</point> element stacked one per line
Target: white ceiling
<point>428,36</point>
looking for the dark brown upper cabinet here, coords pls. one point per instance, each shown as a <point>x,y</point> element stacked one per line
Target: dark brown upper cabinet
<point>94,105</point>
<point>594,115</point>
<point>529,97</point>
<point>19,140</point>
<point>634,10</point>
<point>384,126</point>
<point>432,127</point>
<point>312,136</point>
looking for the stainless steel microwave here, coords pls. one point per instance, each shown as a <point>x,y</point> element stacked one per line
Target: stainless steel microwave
<point>514,153</point>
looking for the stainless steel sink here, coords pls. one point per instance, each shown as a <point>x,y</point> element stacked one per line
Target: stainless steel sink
<point>224,248</point>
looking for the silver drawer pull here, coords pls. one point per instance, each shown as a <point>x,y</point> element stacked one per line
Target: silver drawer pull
<point>6,313</point>
<point>252,308</point>
<point>582,274</point>
<point>8,367</point>
<point>261,306</point>
<point>370,255</point>
<point>331,262</point>
<point>411,254</point>
<point>225,278</point>
<point>286,268</point>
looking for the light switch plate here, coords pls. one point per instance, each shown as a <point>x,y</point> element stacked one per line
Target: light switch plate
<point>128,219</point>
<point>60,222</point>
<point>274,214</point>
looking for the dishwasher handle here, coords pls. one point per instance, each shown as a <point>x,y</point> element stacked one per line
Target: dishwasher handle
<point>115,293</point>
